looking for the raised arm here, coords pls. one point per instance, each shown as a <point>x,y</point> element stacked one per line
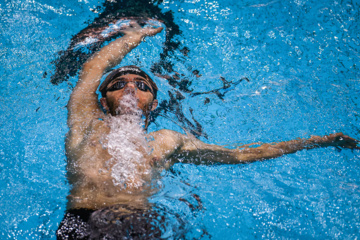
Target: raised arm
<point>83,104</point>
<point>200,152</point>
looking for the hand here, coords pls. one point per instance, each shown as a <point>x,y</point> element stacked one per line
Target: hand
<point>336,140</point>
<point>133,28</point>
<point>128,26</point>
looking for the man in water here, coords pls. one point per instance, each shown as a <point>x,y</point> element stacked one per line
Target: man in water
<point>111,160</point>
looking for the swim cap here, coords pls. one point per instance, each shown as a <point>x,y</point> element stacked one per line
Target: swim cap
<point>132,69</point>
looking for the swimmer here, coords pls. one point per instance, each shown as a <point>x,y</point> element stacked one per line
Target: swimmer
<point>111,158</point>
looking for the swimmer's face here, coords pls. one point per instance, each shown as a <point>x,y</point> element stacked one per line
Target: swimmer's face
<point>125,85</point>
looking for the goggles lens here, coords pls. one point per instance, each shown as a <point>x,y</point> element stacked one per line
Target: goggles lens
<point>121,84</point>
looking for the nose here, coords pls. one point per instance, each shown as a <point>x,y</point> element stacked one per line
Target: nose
<point>130,88</point>
<point>132,84</point>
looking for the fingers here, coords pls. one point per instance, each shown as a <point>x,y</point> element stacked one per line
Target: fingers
<point>153,22</point>
<point>346,138</point>
<point>340,140</point>
<point>157,30</point>
<point>151,28</point>
<point>154,25</point>
<point>134,24</point>
<point>348,142</point>
<point>351,139</point>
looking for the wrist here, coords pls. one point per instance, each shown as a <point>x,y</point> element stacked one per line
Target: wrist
<point>316,141</point>
<point>135,36</point>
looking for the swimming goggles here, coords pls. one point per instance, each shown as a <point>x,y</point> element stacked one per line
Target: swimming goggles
<point>121,84</point>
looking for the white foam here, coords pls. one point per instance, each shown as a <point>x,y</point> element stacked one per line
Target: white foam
<point>115,27</point>
<point>86,42</point>
<point>126,143</point>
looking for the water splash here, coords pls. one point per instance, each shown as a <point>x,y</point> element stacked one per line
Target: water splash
<point>127,145</point>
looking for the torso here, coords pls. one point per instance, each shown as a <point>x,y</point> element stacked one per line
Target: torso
<point>89,171</point>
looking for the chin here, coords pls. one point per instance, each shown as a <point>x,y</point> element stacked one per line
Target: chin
<point>127,111</point>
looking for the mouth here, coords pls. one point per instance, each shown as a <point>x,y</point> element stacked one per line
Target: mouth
<point>126,111</point>
<point>128,105</point>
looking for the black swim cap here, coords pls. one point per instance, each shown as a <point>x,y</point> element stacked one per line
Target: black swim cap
<point>132,69</point>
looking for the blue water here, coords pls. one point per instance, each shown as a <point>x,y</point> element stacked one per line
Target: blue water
<point>302,59</point>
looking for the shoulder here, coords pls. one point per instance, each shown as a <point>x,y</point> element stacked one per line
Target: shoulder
<point>165,133</point>
<point>165,142</point>
<point>172,137</point>
<point>167,137</point>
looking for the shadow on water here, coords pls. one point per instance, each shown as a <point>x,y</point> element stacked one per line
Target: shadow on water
<point>69,62</point>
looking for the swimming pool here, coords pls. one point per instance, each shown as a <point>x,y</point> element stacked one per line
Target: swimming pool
<point>301,59</point>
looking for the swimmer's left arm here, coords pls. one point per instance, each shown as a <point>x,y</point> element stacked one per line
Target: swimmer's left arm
<point>199,152</point>
<point>268,151</point>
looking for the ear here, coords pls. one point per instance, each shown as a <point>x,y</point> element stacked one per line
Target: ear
<point>154,104</point>
<point>104,104</point>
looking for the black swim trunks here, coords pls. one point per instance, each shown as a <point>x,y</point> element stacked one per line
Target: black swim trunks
<point>114,222</point>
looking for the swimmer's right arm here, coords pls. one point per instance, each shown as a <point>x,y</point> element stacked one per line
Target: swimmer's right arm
<point>83,104</point>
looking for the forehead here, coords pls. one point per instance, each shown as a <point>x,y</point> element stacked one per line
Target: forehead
<point>130,77</point>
